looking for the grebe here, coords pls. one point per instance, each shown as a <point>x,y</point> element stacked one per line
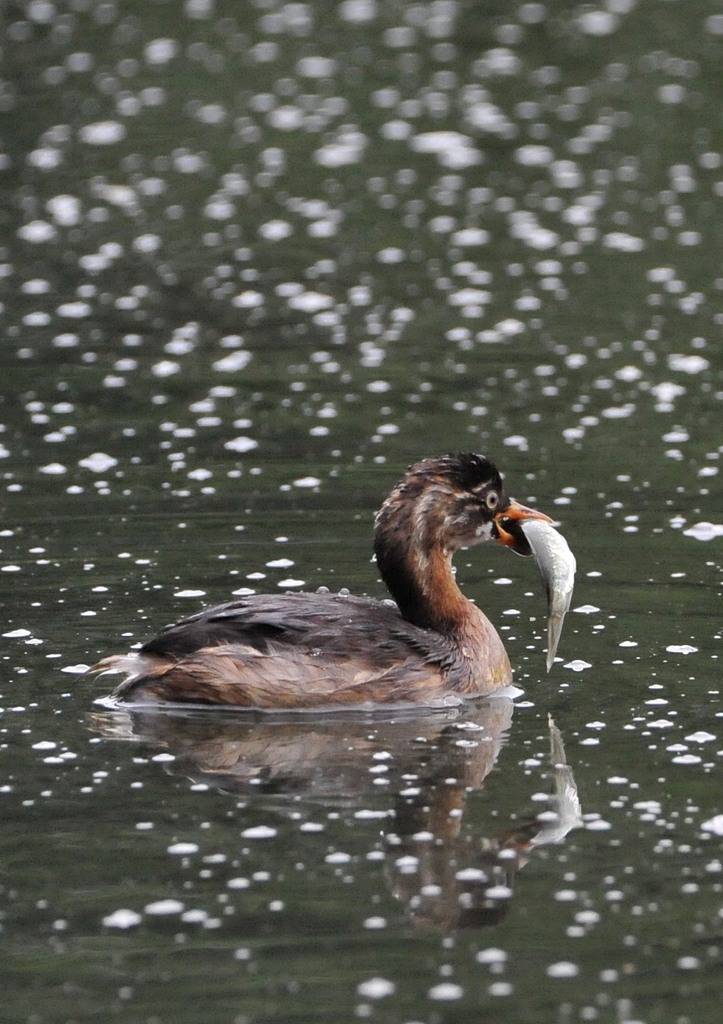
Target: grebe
<point>305,650</point>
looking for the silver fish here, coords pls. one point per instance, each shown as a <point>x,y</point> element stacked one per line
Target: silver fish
<point>557,567</point>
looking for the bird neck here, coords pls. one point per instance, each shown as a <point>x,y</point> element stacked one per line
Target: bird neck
<point>416,566</point>
<point>419,576</point>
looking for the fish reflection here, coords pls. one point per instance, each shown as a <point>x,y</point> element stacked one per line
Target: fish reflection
<point>461,879</point>
<point>447,875</point>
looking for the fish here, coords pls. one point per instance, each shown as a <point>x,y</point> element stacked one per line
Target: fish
<point>557,565</point>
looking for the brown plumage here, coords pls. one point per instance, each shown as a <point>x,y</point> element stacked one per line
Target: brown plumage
<point>330,650</point>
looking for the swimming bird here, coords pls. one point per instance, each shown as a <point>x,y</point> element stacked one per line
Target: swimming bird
<point>429,645</point>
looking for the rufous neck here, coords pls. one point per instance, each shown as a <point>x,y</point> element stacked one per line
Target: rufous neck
<point>421,581</point>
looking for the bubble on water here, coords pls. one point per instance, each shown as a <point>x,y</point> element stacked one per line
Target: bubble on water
<point>182,849</point>
<point>241,445</point>
<point>621,241</point>
<point>98,462</point>
<point>234,362</point>
<point>704,531</point>
<point>396,130</point>
<point>509,327</point>
<point>687,363</point>
<point>671,93</point>
<point>500,60</point>
<point>516,441</point>
<point>310,302</point>
<point>470,237</point>
<point>618,412</point>
<point>316,67</point>
<point>74,310</point>
<point>346,150</point>
<point>532,155</point>
<point>714,825</point>
<point>338,857</point>
<point>163,908</point>
<point>407,865</point>
<point>165,368</point>
<point>37,231</point>
<point>102,133</point>
<point>563,969</point>
<point>598,22</point>
<point>65,340</point>
<point>471,874</point>
<point>358,11</point>
<point>117,195</point>
<point>714,24</point>
<point>196,916</point>
<point>45,158</point>
<point>211,113</point>
<point>259,832</point>
<point>286,118</point>
<point>220,208</point>
<point>122,919</point>
<point>566,174</point>
<point>500,988</point>
<point>498,892</point>
<point>147,243</point>
<point>525,228</point>
<point>65,210</point>
<point>93,263</point>
<point>469,297</point>
<point>485,116</point>
<point>629,373</point>
<point>681,649</point>
<point>666,392</point>
<point>492,955</point>
<point>376,988</point>
<point>446,991</point>
<point>453,149</point>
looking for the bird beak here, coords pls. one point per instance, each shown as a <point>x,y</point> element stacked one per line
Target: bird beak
<point>509,526</point>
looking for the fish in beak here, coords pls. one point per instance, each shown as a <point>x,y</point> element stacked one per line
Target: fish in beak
<point>529,532</point>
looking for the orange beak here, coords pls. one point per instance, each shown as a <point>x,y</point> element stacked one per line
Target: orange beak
<point>508,526</point>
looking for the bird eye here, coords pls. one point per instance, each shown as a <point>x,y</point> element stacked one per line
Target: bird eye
<point>492,500</point>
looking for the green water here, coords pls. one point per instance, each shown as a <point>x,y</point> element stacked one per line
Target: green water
<point>245,279</point>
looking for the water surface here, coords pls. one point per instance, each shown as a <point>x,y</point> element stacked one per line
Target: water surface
<point>256,258</point>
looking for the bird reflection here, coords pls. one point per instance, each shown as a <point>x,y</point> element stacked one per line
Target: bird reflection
<point>445,873</point>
